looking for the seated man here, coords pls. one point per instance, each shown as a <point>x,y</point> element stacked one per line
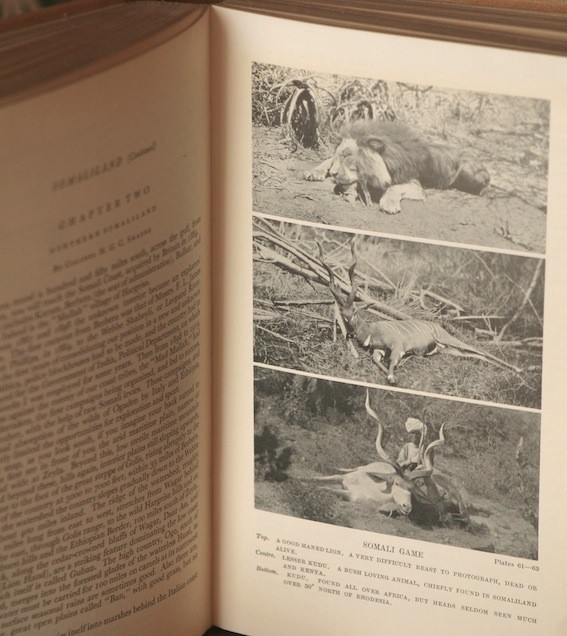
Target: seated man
<point>409,457</point>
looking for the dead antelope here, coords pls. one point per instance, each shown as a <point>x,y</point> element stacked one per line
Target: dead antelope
<point>385,482</point>
<point>399,337</point>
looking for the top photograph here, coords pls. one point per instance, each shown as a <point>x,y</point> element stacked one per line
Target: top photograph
<point>402,159</point>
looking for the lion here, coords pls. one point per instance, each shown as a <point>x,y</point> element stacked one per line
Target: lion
<point>387,162</point>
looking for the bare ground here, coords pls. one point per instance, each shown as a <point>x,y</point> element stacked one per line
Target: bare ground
<point>508,216</point>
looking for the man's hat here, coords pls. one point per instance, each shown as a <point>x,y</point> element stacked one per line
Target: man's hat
<point>413,425</point>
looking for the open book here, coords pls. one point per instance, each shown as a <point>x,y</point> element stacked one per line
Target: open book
<point>237,253</point>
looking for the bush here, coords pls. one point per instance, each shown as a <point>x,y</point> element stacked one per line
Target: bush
<point>270,460</point>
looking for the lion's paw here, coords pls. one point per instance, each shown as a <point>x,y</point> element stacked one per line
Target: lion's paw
<point>350,193</point>
<point>390,203</point>
<point>315,175</point>
<point>351,197</point>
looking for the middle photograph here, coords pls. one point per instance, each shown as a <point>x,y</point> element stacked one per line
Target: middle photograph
<point>389,312</point>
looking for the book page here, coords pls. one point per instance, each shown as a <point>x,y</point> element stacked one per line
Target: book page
<point>382,203</point>
<point>105,499</point>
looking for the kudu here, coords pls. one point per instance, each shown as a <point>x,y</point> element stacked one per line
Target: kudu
<point>398,337</point>
<point>385,482</point>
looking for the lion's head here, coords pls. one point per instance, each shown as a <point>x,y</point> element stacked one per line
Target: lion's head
<point>360,163</point>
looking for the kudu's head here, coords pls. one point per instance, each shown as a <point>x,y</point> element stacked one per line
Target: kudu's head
<point>404,483</point>
<point>401,492</point>
<point>346,302</point>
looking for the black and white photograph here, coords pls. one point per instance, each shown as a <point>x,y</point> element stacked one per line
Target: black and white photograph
<point>430,469</point>
<point>430,318</point>
<point>401,159</point>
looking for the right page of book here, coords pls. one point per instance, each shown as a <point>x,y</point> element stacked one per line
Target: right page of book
<point>391,353</point>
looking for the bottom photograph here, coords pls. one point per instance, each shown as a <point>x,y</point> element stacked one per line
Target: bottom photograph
<point>430,469</point>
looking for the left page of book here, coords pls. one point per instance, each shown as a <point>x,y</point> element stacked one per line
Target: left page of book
<point>104,350</point>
